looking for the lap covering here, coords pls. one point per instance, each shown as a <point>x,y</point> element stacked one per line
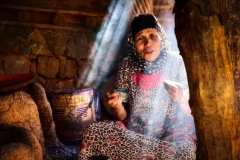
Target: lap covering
<point>107,139</point>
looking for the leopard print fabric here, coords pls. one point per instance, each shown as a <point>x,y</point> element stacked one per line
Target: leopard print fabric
<point>107,139</point>
<point>151,111</point>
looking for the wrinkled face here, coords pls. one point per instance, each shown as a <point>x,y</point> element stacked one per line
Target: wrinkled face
<point>148,44</point>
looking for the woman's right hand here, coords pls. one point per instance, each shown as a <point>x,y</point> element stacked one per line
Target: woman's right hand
<point>114,102</point>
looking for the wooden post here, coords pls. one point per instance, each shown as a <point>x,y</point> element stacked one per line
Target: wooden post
<point>203,43</point>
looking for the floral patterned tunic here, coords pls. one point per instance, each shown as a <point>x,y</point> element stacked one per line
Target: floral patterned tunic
<point>157,128</point>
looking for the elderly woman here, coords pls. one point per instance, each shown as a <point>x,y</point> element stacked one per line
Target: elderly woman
<point>152,83</point>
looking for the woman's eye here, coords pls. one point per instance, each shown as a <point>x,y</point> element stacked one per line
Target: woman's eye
<point>153,36</point>
<point>139,38</point>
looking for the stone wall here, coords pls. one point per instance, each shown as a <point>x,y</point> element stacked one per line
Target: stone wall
<point>57,57</point>
<point>61,55</point>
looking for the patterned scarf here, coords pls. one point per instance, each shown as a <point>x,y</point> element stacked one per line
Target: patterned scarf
<point>138,63</point>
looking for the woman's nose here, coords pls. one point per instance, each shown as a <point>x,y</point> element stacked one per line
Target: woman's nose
<point>147,42</point>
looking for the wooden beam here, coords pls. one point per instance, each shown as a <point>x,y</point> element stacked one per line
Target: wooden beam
<point>163,7</point>
<point>40,25</point>
<point>51,10</point>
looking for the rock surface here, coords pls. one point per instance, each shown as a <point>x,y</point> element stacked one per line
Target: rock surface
<point>19,109</point>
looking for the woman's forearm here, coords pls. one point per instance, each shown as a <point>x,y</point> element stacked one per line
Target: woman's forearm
<point>119,113</point>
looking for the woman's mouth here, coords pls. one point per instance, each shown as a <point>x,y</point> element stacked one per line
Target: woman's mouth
<point>148,52</point>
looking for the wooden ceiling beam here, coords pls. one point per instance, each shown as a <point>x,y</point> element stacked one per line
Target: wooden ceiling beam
<point>40,25</point>
<point>51,10</point>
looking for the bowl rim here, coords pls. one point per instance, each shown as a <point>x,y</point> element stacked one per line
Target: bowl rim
<point>23,78</point>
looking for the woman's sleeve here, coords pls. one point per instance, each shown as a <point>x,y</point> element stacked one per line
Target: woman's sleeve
<point>122,78</point>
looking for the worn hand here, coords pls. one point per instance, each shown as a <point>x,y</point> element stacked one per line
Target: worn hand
<point>114,100</point>
<point>175,90</point>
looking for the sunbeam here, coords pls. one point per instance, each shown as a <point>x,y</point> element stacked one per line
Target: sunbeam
<point>108,41</point>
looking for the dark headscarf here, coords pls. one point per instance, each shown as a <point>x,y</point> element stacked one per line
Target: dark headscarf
<point>142,22</point>
<point>139,23</point>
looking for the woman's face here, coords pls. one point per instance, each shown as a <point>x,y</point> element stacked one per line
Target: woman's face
<point>148,43</point>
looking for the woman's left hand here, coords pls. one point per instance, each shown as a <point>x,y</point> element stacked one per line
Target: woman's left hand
<point>175,90</point>
<point>177,95</point>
